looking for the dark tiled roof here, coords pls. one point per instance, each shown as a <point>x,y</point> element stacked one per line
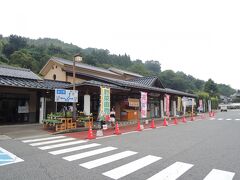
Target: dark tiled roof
<point>148,81</point>
<point>31,83</point>
<point>137,85</point>
<point>98,84</point>
<point>82,65</point>
<point>120,71</point>
<point>10,71</point>
<point>121,83</point>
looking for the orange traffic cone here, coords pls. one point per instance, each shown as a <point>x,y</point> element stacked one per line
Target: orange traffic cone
<point>183,119</point>
<point>210,114</point>
<point>152,124</point>
<point>138,126</point>
<point>117,131</point>
<point>90,133</point>
<point>165,123</point>
<point>192,118</point>
<point>175,121</point>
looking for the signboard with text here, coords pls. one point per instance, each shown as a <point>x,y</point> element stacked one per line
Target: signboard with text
<point>143,104</point>
<point>105,101</point>
<point>167,105</point>
<point>63,95</point>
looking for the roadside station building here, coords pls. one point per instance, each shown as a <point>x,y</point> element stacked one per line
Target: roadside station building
<point>27,98</point>
<point>126,88</point>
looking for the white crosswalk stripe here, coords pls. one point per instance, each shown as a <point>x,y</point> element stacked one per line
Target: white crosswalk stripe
<point>61,145</point>
<point>108,159</point>
<point>43,139</point>
<point>67,150</point>
<point>216,174</point>
<point>89,153</point>
<point>237,119</point>
<point>172,172</point>
<point>220,119</point>
<point>52,142</point>
<point>229,119</point>
<point>131,167</point>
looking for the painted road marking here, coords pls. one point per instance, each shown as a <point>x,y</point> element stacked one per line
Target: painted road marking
<point>220,119</point>
<point>229,119</point>
<point>219,175</point>
<point>8,158</point>
<point>212,118</point>
<point>131,167</point>
<point>51,142</point>
<point>61,145</point>
<point>42,139</point>
<point>108,159</point>
<point>172,172</point>
<point>237,119</point>
<point>89,153</point>
<point>62,151</point>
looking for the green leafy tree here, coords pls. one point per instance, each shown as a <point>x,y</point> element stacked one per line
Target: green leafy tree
<point>214,103</point>
<point>211,87</point>
<point>153,66</point>
<point>23,59</point>
<point>138,68</point>
<point>14,44</point>
<point>225,90</point>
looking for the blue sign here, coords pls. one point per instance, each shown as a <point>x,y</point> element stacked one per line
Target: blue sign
<point>63,95</point>
<point>61,91</point>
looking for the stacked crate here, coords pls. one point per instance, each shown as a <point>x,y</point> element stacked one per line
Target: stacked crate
<point>70,123</point>
<point>61,126</point>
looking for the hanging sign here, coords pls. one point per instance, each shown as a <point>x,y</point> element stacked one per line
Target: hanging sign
<point>63,95</point>
<point>133,102</point>
<point>105,101</point>
<point>143,104</point>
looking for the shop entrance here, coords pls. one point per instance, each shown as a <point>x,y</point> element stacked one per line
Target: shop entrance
<point>14,108</point>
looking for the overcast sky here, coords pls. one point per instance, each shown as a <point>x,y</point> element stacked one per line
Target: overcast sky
<point>201,38</point>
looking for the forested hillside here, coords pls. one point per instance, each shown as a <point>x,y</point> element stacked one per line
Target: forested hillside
<point>33,54</point>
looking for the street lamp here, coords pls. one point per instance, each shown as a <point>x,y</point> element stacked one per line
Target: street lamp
<point>76,58</point>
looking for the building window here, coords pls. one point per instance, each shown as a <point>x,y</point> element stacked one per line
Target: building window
<point>54,77</point>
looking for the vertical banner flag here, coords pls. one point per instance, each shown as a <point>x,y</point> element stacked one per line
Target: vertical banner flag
<point>193,101</point>
<point>184,99</point>
<point>143,104</point>
<point>179,104</point>
<point>209,106</point>
<point>167,104</point>
<point>200,105</point>
<point>164,104</point>
<point>105,101</point>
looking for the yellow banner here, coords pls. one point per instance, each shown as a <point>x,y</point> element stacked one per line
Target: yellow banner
<point>179,105</point>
